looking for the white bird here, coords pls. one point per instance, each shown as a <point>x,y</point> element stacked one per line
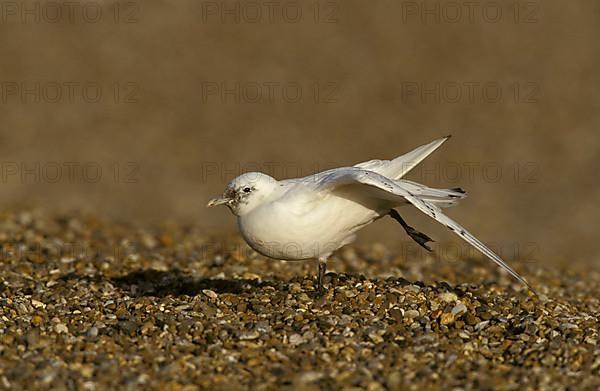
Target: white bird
<point>311,217</point>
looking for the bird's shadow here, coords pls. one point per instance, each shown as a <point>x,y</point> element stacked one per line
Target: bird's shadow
<point>175,282</point>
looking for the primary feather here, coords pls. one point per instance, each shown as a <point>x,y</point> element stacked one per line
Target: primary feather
<point>401,165</point>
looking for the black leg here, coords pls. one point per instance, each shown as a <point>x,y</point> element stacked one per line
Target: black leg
<point>417,236</point>
<point>322,270</point>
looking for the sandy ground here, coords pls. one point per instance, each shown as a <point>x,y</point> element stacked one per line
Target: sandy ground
<point>92,304</point>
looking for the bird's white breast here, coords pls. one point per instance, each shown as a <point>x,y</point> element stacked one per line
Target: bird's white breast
<point>303,230</point>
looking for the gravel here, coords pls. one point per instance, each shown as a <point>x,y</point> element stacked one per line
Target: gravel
<point>93,304</point>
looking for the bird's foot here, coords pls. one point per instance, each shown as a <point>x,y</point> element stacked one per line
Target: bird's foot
<point>419,237</point>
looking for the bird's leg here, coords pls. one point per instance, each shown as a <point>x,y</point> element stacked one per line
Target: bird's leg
<point>417,236</point>
<point>321,275</point>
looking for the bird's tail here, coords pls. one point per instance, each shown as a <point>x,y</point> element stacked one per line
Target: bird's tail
<point>441,197</point>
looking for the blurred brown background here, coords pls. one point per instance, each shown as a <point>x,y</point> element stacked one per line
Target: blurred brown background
<point>179,143</point>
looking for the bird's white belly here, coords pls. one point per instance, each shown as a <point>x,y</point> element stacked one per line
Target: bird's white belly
<point>281,233</point>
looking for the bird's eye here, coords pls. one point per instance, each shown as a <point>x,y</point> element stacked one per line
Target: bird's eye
<point>247,190</point>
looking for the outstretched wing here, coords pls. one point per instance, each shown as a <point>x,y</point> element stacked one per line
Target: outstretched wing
<point>401,165</point>
<point>364,180</point>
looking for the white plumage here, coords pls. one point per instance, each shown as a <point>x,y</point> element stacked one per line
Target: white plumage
<point>311,217</point>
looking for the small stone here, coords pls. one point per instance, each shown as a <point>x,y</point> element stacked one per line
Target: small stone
<point>249,335</point>
<point>411,314</point>
<point>22,308</point>
<point>61,328</point>
<point>209,293</point>
<point>590,340</point>
<point>470,319</point>
<point>568,326</point>
<point>149,241</point>
<point>87,371</point>
<point>92,332</point>
<point>263,326</point>
<point>146,327</point>
<point>25,218</point>
<point>374,386</point>
<point>128,326</point>
<point>295,288</point>
<point>37,304</point>
<point>376,338</point>
<point>218,261</point>
<point>448,297</point>
<point>251,276</point>
<point>414,288</point>
<point>303,297</point>
<point>549,360</point>
<point>350,294</point>
<point>295,339</point>
<point>459,309</point>
<point>37,320</point>
<point>485,315</point>
<point>310,377</point>
<point>447,318</point>
<point>396,314</point>
<point>394,380</point>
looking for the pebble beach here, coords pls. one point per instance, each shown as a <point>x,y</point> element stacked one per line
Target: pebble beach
<point>93,304</point>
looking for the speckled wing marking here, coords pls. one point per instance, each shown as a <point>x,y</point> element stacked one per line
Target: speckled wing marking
<point>435,213</point>
<point>350,175</point>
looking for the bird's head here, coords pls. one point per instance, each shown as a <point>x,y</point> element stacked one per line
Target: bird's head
<point>245,192</point>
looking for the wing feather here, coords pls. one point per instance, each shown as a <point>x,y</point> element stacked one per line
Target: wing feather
<point>400,166</point>
<point>333,179</point>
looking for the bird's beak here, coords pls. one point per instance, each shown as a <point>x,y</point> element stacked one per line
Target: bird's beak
<point>218,201</point>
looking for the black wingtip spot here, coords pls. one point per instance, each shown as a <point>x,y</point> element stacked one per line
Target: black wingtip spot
<point>459,190</point>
